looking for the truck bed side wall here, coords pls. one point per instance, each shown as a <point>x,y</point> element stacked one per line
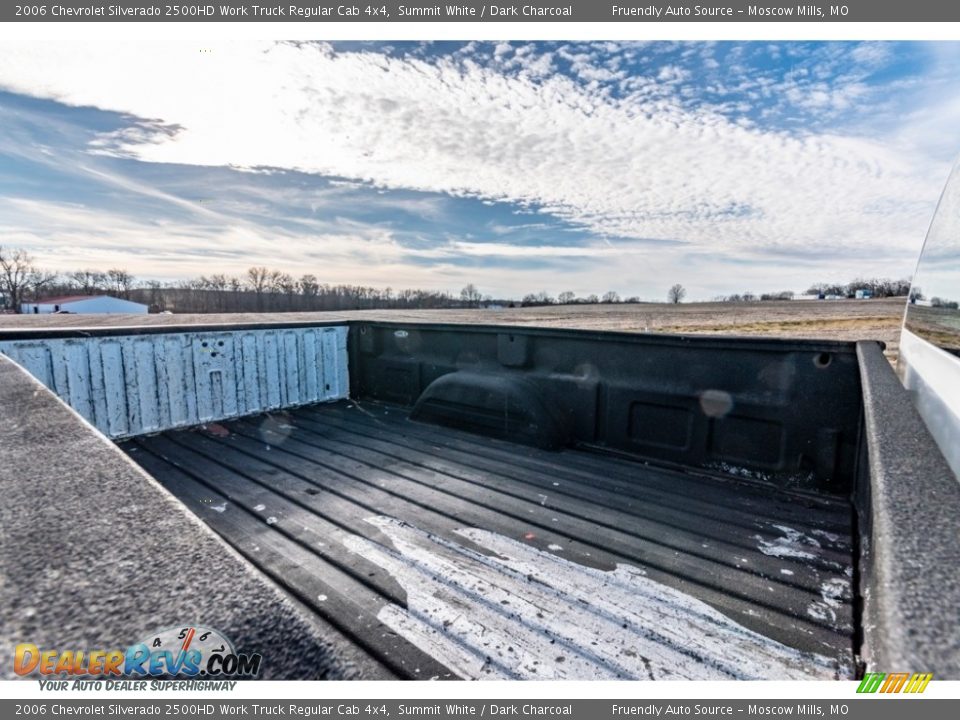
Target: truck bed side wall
<point>908,503</point>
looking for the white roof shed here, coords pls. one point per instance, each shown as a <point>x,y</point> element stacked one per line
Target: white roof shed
<point>83,304</point>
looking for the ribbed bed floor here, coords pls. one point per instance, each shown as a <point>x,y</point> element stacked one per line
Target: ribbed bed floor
<point>443,554</point>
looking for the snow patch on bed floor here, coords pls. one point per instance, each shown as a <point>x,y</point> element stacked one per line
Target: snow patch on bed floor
<point>524,613</point>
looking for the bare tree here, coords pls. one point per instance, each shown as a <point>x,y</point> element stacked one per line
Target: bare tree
<point>611,296</point>
<point>18,276</point>
<point>471,295</point>
<point>826,289</point>
<point>284,284</point>
<point>782,295</point>
<point>121,281</point>
<point>88,281</point>
<point>41,279</point>
<point>534,299</point>
<point>309,287</point>
<point>566,297</point>
<point>216,287</point>
<point>155,296</point>
<point>217,283</point>
<point>676,294</point>
<point>258,278</point>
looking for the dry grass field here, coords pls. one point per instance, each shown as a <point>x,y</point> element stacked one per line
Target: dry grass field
<point>834,320</point>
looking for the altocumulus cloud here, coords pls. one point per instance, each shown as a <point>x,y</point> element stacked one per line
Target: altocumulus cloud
<point>628,156</point>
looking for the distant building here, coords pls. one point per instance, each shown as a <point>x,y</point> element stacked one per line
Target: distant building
<point>864,294</point>
<point>83,305</point>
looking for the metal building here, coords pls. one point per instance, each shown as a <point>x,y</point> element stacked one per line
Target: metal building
<point>83,304</point>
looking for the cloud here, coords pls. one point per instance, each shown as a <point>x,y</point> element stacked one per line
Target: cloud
<point>628,156</point>
<point>72,236</point>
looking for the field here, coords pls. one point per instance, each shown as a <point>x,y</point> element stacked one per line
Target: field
<point>834,320</point>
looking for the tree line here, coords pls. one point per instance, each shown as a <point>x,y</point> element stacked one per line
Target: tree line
<point>262,289</point>
<point>875,287</point>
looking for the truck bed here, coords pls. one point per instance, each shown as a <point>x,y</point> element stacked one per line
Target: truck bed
<point>443,555</point>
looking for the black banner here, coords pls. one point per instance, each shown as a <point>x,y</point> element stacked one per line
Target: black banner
<point>632,11</point>
<point>212,708</point>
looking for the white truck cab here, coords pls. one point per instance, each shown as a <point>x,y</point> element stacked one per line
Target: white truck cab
<point>929,362</point>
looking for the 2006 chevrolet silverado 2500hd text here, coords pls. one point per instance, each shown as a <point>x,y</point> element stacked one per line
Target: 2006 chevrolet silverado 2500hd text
<point>414,500</point>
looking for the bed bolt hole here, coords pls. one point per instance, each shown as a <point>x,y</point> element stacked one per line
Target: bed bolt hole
<point>326,387</point>
<point>220,343</point>
<point>822,360</point>
<point>203,344</point>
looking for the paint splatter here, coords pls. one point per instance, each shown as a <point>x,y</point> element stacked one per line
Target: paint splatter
<point>507,614</point>
<point>833,593</point>
<point>792,544</point>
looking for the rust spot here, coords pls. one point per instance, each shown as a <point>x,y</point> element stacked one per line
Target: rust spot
<point>216,429</point>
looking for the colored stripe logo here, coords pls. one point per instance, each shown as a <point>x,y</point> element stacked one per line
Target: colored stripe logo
<point>895,682</point>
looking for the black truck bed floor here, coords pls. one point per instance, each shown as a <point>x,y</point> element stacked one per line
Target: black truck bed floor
<point>443,554</point>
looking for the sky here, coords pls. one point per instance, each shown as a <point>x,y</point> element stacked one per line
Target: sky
<point>520,167</point>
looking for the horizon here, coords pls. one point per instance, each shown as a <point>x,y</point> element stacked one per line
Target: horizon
<point>65,287</point>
